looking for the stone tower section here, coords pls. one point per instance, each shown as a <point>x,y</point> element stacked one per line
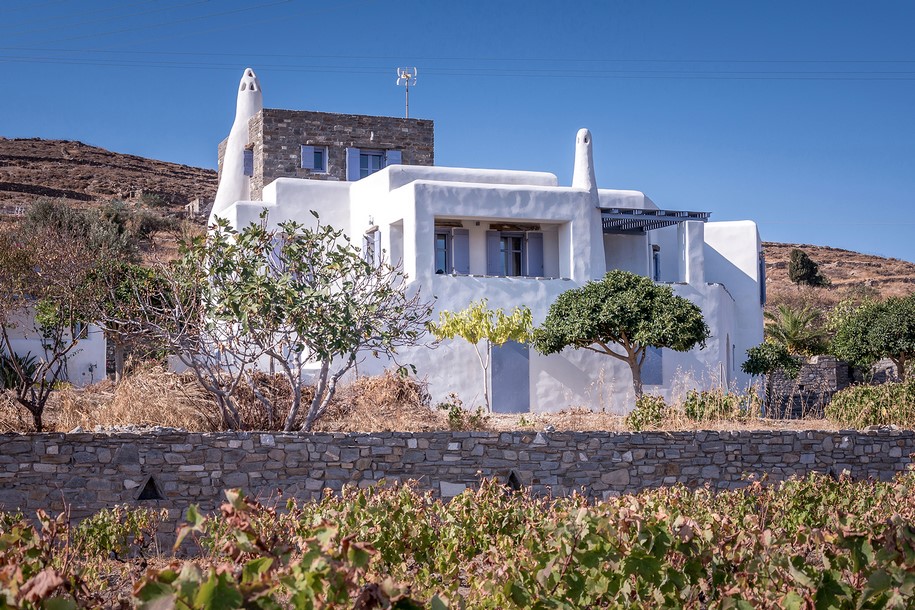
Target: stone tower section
<point>330,146</point>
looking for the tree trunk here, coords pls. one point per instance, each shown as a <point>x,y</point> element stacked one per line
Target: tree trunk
<point>36,419</point>
<point>118,362</point>
<point>768,400</point>
<point>900,368</point>
<point>636,369</point>
<point>315,402</point>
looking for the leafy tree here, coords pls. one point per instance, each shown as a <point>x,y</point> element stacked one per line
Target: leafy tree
<point>875,330</point>
<point>122,287</point>
<point>802,270</point>
<point>624,310</point>
<point>46,291</point>
<point>478,323</point>
<point>797,329</point>
<point>768,358</point>
<point>303,299</point>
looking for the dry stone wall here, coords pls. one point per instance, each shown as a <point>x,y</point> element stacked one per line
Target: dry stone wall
<point>172,469</point>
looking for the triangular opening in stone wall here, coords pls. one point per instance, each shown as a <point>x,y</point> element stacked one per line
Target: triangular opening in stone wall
<point>514,481</point>
<point>150,490</point>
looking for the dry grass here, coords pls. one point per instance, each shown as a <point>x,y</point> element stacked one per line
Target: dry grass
<point>155,397</point>
<point>149,397</point>
<point>386,402</point>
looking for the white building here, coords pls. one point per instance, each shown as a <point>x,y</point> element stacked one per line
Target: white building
<point>84,364</point>
<point>519,238</point>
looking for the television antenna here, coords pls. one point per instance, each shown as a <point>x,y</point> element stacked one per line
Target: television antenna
<point>407,78</point>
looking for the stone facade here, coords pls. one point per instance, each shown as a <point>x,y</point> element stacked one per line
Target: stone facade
<point>276,137</point>
<point>90,471</point>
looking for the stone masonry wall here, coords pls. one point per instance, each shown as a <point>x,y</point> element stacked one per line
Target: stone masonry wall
<point>277,137</point>
<point>90,471</point>
<point>819,379</point>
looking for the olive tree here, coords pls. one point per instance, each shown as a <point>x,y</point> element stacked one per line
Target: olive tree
<point>477,323</point>
<point>875,330</point>
<point>621,316</point>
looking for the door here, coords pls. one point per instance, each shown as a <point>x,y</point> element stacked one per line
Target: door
<point>510,378</point>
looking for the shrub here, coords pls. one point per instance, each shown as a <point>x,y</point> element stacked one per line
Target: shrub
<point>873,405</point>
<point>649,412</point>
<point>715,405</point>
<point>460,418</point>
<point>116,532</point>
<point>802,270</point>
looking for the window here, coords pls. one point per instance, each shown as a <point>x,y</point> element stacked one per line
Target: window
<point>371,246</point>
<point>370,162</point>
<point>514,253</point>
<point>442,252</point>
<point>452,251</point>
<point>315,159</point>
<point>80,330</point>
<point>248,162</point>
<point>762,279</point>
<point>361,163</point>
<point>656,263</point>
<point>511,246</point>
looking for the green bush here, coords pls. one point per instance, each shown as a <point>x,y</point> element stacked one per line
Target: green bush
<point>716,404</point>
<point>116,532</point>
<point>874,405</point>
<point>649,412</point>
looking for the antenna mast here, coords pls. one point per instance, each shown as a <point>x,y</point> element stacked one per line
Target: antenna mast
<point>407,78</point>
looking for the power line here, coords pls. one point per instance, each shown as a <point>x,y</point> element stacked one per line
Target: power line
<point>553,59</point>
<point>492,72</point>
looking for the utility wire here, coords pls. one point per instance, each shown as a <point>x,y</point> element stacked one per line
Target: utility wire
<point>878,75</point>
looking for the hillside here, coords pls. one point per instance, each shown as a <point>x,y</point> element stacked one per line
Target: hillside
<point>83,174</point>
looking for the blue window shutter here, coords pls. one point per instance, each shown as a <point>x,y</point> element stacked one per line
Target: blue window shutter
<point>376,237</point>
<point>534,255</point>
<point>392,157</point>
<point>762,279</point>
<point>248,162</point>
<point>460,251</point>
<point>652,367</point>
<point>352,164</point>
<point>308,157</point>
<point>493,253</point>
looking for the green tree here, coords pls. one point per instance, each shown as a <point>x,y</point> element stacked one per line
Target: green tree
<point>768,358</point>
<point>802,270</point>
<point>477,323</point>
<point>797,329</point>
<point>624,310</point>
<point>874,330</point>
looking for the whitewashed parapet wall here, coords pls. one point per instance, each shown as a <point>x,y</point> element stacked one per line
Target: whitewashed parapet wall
<point>88,471</point>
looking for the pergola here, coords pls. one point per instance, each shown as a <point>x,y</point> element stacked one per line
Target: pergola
<point>633,221</point>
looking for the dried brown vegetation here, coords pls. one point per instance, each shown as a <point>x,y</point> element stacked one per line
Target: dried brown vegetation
<point>149,397</point>
<point>152,396</point>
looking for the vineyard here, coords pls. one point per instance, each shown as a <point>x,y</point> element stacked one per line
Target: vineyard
<point>805,543</point>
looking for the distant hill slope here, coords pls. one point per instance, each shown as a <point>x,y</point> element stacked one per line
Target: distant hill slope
<point>81,174</point>
<point>849,272</point>
<point>84,175</point>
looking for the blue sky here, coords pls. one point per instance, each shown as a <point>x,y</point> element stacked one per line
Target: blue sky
<point>799,115</point>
